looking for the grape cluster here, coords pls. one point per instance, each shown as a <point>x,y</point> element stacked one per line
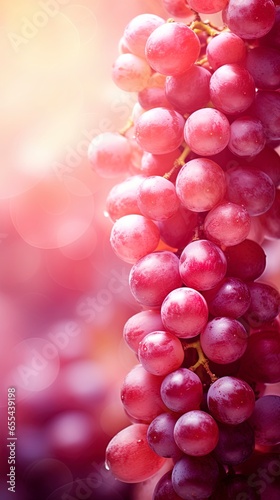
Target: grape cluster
<point>198,195</point>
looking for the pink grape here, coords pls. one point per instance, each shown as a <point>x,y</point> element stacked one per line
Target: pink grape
<point>196,433</point>
<point>231,298</point>
<point>160,130</point>
<point>235,444</point>
<point>227,224</point>
<point>181,391</point>
<point>109,154</point>
<point>164,489</point>
<point>131,73</point>
<point>122,198</point>
<point>178,230</point>
<point>265,420</point>
<point>266,107</point>
<point>272,38</point>
<point>265,303</point>
<point>160,436</point>
<point>153,97</point>
<point>268,160</point>
<point>270,220</point>
<point>224,340</point>
<point>264,65</point>
<point>231,400</point>
<point>225,48</point>
<point>246,260</point>
<point>184,312</point>
<point>195,477</point>
<point>129,456</point>
<point>158,164</point>
<point>202,265</point>
<point>140,395</point>
<point>153,277</point>
<point>181,90</point>
<point>247,137</point>
<point>201,184</point>
<point>232,89</point>
<point>157,198</point>
<point>167,40</point>
<point>207,131</point>
<point>207,6</point>
<point>177,8</point>
<point>250,188</point>
<point>138,30</point>
<point>260,362</point>
<point>254,20</point>
<point>139,325</point>
<point>160,352</point>
<point>134,236</point>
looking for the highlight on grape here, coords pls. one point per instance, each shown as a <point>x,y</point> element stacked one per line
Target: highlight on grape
<point>192,216</point>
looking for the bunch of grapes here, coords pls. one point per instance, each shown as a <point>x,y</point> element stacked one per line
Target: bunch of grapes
<point>198,196</point>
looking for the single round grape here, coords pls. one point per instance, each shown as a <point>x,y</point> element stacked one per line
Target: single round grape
<point>230,400</point>
<point>195,477</point>
<point>207,6</point>
<point>200,184</point>
<point>178,230</point>
<point>139,325</point>
<point>196,433</point>
<point>266,107</point>
<point>157,198</point>
<point>250,188</point>
<point>131,73</point>
<point>202,265</point>
<point>184,312</point>
<point>270,219</point>
<point>231,298</point>
<point>159,130</point>
<point>232,89</point>
<point>264,65</point>
<point>247,137</point>
<point>130,458</point>
<point>224,340</point>
<point>261,361</point>
<point>138,30</point>
<point>122,198</point>
<point>181,90</point>
<point>268,160</point>
<point>177,8</point>
<point>227,224</point>
<point>158,164</point>
<point>164,489</point>
<point>245,261</point>
<point>109,154</point>
<point>160,436</point>
<point>182,390</point>
<point>140,395</point>
<point>153,97</point>
<point>265,303</point>
<point>265,420</point>
<point>254,20</point>
<point>207,131</point>
<point>225,48</point>
<point>153,277</point>
<point>133,236</point>
<point>167,40</point>
<point>160,352</point>
<point>235,444</point>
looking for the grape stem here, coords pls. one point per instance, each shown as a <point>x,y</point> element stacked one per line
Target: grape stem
<point>126,127</point>
<point>179,162</point>
<point>198,26</point>
<point>202,360</point>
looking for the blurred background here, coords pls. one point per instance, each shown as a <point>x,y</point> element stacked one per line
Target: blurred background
<point>64,296</point>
